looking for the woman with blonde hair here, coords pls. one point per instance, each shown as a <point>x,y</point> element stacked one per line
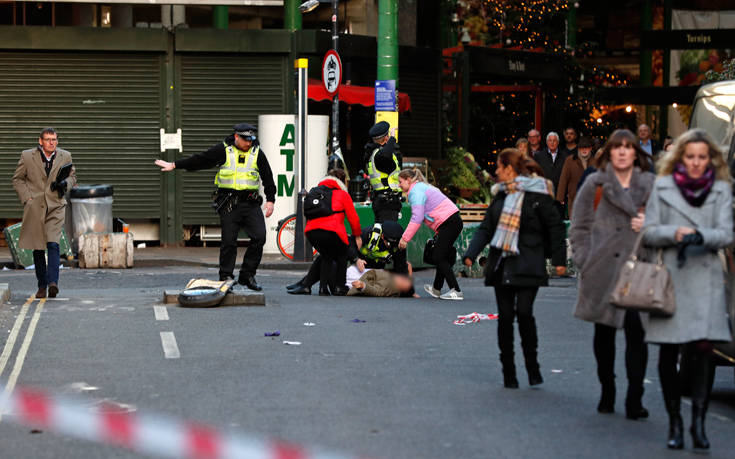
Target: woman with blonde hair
<point>522,147</point>
<point>438,212</point>
<point>689,217</point>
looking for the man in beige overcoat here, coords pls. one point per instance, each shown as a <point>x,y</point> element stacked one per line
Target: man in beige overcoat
<point>42,196</point>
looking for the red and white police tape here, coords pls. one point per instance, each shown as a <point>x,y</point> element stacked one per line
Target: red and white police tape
<point>146,434</point>
<point>474,318</point>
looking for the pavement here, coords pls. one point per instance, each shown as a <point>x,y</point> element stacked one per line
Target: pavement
<point>405,383</point>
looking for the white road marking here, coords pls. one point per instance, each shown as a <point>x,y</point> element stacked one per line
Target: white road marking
<point>161,312</point>
<point>23,351</point>
<point>10,343</point>
<point>170,348</point>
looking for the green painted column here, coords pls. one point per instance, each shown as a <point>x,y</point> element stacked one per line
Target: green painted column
<point>646,24</point>
<point>220,17</point>
<point>572,26</point>
<point>291,15</point>
<point>388,40</point>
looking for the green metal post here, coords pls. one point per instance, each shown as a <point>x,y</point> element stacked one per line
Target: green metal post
<point>388,40</point>
<point>646,24</point>
<point>572,26</point>
<point>291,15</point>
<point>220,17</point>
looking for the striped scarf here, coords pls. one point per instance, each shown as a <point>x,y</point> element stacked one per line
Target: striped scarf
<point>506,233</point>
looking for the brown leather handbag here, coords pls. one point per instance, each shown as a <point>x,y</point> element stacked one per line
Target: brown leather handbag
<point>644,287</point>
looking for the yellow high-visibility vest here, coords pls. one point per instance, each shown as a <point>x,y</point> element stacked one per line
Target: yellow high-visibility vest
<point>239,175</point>
<point>380,180</point>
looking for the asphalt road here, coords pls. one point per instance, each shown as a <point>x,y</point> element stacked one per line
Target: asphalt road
<point>406,383</point>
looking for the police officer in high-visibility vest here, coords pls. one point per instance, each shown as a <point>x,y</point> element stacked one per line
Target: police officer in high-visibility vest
<point>242,167</point>
<point>383,165</point>
<point>379,248</point>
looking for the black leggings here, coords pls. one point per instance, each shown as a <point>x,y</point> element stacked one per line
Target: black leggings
<point>447,233</point>
<point>636,356</point>
<point>333,253</point>
<point>512,302</point>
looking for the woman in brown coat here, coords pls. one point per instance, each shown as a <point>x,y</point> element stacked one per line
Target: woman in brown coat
<point>571,173</point>
<point>608,212</point>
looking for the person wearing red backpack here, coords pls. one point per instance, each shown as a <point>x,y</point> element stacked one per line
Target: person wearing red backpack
<point>326,230</point>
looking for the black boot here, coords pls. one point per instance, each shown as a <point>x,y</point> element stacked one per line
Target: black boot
<point>509,372</point>
<point>300,290</point>
<point>676,425</point>
<point>529,342</point>
<point>340,291</point>
<point>295,286</point>
<point>323,289</point>
<point>702,378</point>
<point>248,281</point>
<point>507,357</point>
<point>607,398</point>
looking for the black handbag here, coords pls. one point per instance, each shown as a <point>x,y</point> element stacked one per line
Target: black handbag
<point>429,257</point>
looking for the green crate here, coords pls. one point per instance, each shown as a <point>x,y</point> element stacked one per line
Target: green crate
<point>24,257</point>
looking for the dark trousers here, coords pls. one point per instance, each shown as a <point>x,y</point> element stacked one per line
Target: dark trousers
<point>517,302</point>
<point>43,275</point>
<point>385,208</point>
<point>702,371</point>
<point>447,233</point>
<point>248,216</point>
<point>333,254</point>
<point>636,357</point>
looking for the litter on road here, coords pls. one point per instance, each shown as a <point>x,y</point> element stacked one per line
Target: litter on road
<point>292,343</point>
<point>474,318</point>
<point>275,333</point>
<point>358,321</point>
<point>309,324</point>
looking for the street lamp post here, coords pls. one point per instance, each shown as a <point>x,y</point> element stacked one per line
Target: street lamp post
<point>336,156</point>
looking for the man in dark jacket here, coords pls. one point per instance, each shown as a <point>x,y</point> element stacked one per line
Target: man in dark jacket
<point>243,166</point>
<point>383,163</point>
<point>379,248</point>
<point>551,159</point>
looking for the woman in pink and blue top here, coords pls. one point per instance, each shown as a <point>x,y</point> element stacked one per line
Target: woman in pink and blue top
<point>430,206</point>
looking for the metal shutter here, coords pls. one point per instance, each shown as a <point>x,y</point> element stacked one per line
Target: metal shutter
<point>107,109</point>
<point>420,130</point>
<point>217,92</point>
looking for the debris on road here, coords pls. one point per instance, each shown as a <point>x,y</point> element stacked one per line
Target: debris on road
<point>557,371</point>
<point>275,333</point>
<point>474,318</point>
<point>358,321</point>
<point>292,343</point>
<point>309,324</point>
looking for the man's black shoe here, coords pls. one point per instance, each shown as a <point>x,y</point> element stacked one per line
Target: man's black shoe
<point>340,291</point>
<point>224,278</point>
<point>301,290</point>
<point>295,286</point>
<point>249,282</point>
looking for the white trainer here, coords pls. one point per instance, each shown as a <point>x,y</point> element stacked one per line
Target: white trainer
<point>452,295</point>
<point>432,291</point>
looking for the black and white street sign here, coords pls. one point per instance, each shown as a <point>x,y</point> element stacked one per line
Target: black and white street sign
<point>331,71</point>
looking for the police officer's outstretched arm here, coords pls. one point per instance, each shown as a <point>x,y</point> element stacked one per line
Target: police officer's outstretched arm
<point>215,156</point>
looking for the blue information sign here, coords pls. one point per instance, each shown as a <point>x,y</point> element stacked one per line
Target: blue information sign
<point>385,95</point>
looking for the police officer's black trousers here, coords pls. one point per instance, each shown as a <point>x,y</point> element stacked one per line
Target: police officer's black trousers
<point>386,209</point>
<point>249,216</point>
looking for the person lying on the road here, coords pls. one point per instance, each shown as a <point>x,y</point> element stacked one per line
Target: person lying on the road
<point>378,282</point>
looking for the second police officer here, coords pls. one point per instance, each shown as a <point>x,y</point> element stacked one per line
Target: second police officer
<point>242,167</point>
<point>383,165</point>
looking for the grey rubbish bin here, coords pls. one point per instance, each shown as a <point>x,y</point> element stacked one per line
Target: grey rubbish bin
<point>91,208</point>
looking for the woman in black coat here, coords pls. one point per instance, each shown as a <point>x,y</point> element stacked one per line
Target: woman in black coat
<point>519,245</point>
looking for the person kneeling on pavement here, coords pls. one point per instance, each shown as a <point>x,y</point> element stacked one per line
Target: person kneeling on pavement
<point>382,283</point>
<point>380,248</point>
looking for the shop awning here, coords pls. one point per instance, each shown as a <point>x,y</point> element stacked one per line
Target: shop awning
<point>350,94</point>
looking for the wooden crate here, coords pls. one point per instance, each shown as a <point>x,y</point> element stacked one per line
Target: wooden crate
<point>106,250</point>
<point>472,212</point>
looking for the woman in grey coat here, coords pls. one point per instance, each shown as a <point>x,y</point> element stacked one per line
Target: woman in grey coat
<point>607,214</point>
<point>689,217</point>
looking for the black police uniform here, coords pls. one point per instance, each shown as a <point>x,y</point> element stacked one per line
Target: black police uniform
<point>386,203</point>
<point>391,230</point>
<point>246,214</point>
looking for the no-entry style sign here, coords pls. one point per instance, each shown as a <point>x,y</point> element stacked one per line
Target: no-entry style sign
<point>331,72</point>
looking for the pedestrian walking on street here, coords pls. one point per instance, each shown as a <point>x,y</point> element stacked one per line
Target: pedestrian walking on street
<point>383,163</point>
<point>551,159</point>
<point>689,217</point>
<point>522,147</point>
<point>41,190</point>
<point>571,173</point>
<point>438,212</point>
<point>521,225</point>
<point>608,212</point>
<point>243,166</point>
<point>327,234</point>
<point>534,142</point>
<point>570,141</point>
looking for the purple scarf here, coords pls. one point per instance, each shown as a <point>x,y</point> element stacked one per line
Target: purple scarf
<point>695,191</point>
